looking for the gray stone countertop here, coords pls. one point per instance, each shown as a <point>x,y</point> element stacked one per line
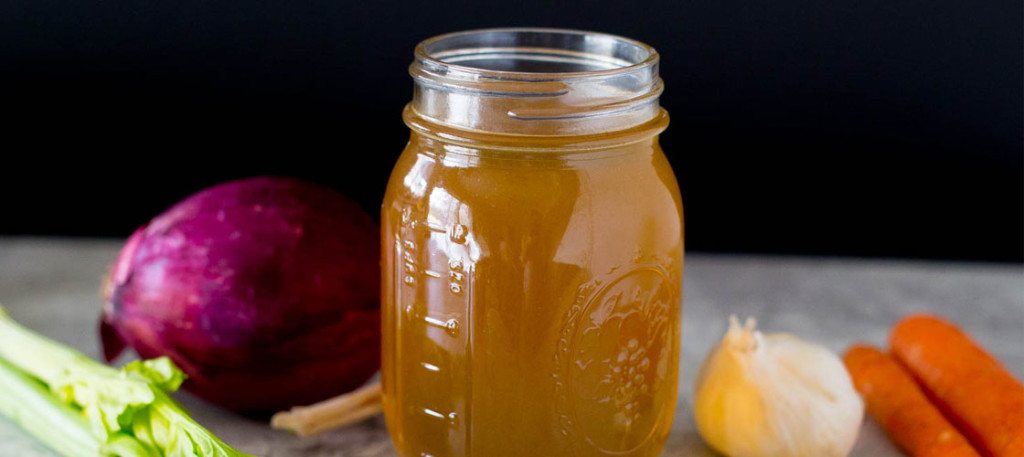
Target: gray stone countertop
<point>51,285</point>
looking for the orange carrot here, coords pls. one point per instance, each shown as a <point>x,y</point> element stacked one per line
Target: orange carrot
<point>899,405</point>
<point>970,386</point>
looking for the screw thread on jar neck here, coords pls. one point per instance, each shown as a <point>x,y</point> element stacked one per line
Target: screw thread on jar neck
<point>538,82</point>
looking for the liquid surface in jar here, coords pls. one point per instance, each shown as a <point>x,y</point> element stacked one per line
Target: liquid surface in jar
<point>531,298</point>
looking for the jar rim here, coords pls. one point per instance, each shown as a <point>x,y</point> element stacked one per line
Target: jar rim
<point>597,48</point>
<point>536,81</point>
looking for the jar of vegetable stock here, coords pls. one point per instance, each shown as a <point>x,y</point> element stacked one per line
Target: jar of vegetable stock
<point>532,251</point>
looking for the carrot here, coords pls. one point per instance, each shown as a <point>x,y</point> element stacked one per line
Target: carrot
<point>899,405</point>
<point>970,386</point>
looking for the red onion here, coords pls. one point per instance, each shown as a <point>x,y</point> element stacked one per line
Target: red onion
<point>265,291</point>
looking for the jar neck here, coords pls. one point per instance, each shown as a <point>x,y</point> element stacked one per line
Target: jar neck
<point>535,82</point>
<point>427,132</point>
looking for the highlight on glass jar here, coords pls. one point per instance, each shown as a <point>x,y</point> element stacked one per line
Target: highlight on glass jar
<point>532,251</point>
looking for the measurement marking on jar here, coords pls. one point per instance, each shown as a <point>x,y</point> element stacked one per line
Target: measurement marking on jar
<point>451,417</point>
<point>458,234</point>
<point>427,308</point>
<point>409,262</point>
<point>456,276</point>
<point>435,228</point>
<point>433,413</point>
<point>451,325</point>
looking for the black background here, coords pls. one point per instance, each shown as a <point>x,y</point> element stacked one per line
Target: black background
<point>864,128</point>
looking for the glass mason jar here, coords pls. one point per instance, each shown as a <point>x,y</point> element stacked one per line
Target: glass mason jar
<point>532,251</point>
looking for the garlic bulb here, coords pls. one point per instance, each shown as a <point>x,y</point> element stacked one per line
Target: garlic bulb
<point>775,395</point>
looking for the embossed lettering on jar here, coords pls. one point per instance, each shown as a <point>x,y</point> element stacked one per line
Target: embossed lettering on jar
<point>532,246</point>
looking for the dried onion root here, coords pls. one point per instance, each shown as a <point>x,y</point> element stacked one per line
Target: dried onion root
<point>332,413</point>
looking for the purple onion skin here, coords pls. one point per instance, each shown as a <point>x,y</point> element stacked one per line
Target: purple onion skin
<point>264,290</point>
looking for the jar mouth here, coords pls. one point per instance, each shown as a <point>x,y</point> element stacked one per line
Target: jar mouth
<point>534,54</point>
<point>535,81</point>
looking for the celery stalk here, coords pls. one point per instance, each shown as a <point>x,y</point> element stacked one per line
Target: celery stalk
<point>129,412</point>
<point>28,403</point>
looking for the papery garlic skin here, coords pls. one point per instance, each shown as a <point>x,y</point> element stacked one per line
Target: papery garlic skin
<point>775,396</point>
